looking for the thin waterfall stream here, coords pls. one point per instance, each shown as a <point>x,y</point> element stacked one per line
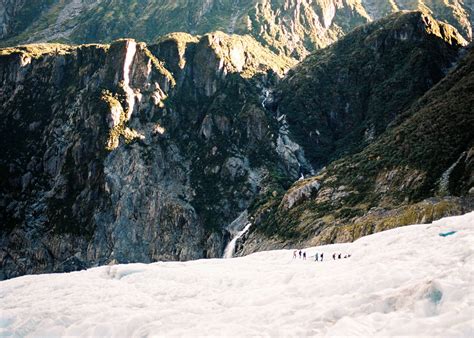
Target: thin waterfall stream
<point>230,248</point>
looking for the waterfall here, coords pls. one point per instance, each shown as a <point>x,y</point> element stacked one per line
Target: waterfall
<point>131,49</point>
<point>230,248</point>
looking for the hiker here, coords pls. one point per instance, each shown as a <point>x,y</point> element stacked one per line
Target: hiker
<point>316,257</point>
<point>339,257</point>
<point>345,256</point>
<point>300,254</point>
<point>322,256</point>
<point>294,254</point>
<point>334,256</point>
<point>304,255</point>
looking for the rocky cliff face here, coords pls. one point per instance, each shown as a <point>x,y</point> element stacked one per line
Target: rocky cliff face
<point>128,152</point>
<point>292,28</point>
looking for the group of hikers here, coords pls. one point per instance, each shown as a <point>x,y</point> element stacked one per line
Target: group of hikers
<point>317,257</point>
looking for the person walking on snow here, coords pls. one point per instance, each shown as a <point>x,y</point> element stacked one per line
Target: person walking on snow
<point>300,254</point>
<point>304,255</point>
<point>334,256</point>
<point>322,256</point>
<point>316,257</point>
<point>294,254</point>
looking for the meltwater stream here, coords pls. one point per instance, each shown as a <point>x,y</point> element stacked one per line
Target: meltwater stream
<point>230,248</point>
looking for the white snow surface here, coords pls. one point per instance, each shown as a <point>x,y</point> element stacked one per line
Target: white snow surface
<point>407,281</point>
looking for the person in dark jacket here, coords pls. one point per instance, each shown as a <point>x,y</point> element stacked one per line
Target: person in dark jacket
<point>322,256</point>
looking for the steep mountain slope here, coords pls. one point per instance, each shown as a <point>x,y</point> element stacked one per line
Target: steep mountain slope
<point>340,98</point>
<point>428,153</point>
<point>289,27</point>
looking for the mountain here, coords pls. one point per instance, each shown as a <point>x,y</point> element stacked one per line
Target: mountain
<point>420,169</point>
<point>292,28</point>
<point>134,152</point>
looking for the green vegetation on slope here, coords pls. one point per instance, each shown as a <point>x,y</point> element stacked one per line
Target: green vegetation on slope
<point>406,165</point>
<point>340,98</point>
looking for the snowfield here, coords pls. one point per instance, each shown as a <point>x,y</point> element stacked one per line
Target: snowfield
<point>408,281</point>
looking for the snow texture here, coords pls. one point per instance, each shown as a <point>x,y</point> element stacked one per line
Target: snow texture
<point>408,281</point>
